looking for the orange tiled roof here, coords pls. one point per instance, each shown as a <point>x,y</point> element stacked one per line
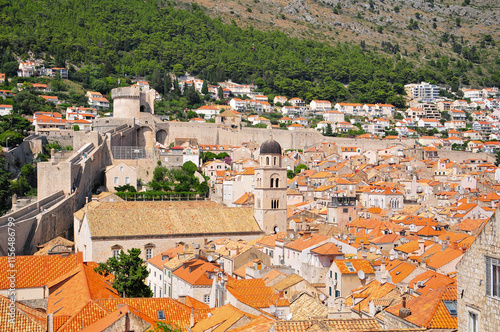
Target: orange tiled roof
<point>401,271</point>
<point>306,241</point>
<point>443,257</point>
<point>244,199</point>
<point>37,271</point>
<point>429,311</point>
<point>113,317</point>
<point>327,249</point>
<point>352,324</point>
<point>194,272</point>
<point>222,319</point>
<point>358,264</point>
<point>70,292</point>
<point>176,313</point>
<point>255,293</point>
<point>411,246</point>
<point>431,280</point>
<point>26,319</point>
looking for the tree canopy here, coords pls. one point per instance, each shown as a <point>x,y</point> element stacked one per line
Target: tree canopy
<point>150,37</point>
<point>129,271</point>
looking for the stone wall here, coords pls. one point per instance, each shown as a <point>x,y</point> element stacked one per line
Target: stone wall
<point>63,137</point>
<point>459,156</point>
<point>24,153</point>
<point>101,248</point>
<point>471,280</point>
<point>210,133</point>
<point>394,322</point>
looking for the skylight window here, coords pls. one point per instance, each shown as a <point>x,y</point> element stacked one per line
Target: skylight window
<point>452,307</point>
<point>350,267</point>
<point>161,314</point>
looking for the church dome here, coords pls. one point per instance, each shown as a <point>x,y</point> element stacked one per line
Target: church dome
<point>270,147</point>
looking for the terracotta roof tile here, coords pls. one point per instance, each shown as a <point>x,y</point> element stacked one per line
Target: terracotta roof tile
<point>358,264</point>
<point>255,293</point>
<point>338,325</point>
<point>37,271</point>
<point>306,241</point>
<point>306,307</point>
<point>327,249</point>
<point>194,272</point>
<point>175,312</point>
<point>429,310</point>
<point>26,318</point>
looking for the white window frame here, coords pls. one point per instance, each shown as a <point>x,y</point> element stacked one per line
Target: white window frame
<point>492,277</point>
<point>149,253</point>
<point>473,325</point>
<point>206,298</point>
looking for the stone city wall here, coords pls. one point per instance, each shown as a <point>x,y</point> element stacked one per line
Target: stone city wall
<point>210,133</point>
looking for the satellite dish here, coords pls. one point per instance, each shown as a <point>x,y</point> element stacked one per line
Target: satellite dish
<point>289,316</point>
<point>361,275</point>
<point>292,235</point>
<point>210,258</point>
<point>272,309</point>
<point>276,229</point>
<point>322,297</point>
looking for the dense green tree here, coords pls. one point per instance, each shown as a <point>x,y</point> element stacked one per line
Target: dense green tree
<point>19,186</point>
<point>189,167</point>
<point>129,271</point>
<point>151,38</point>
<point>11,138</point>
<point>28,171</point>
<point>164,327</point>
<point>126,188</point>
<point>328,130</point>
<point>5,192</point>
<point>204,88</point>
<point>299,168</point>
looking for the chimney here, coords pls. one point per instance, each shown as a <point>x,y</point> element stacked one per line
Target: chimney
<point>364,255</point>
<point>50,323</point>
<point>382,266</point>
<point>404,311</point>
<point>421,246</point>
<point>455,244</point>
<point>79,257</point>
<point>392,254</point>
<point>191,318</point>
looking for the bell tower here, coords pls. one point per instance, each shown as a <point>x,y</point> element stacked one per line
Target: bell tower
<point>270,189</point>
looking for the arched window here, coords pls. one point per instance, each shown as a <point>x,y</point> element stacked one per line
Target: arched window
<point>272,182</point>
<point>275,204</point>
<point>267,160</point>
<point>275,161</point>
<point>276,184</point>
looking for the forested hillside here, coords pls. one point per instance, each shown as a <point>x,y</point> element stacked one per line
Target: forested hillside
<point>103,38</point>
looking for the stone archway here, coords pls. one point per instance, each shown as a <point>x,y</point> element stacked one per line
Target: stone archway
<point>161,136</point>
<point>145,137</point>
